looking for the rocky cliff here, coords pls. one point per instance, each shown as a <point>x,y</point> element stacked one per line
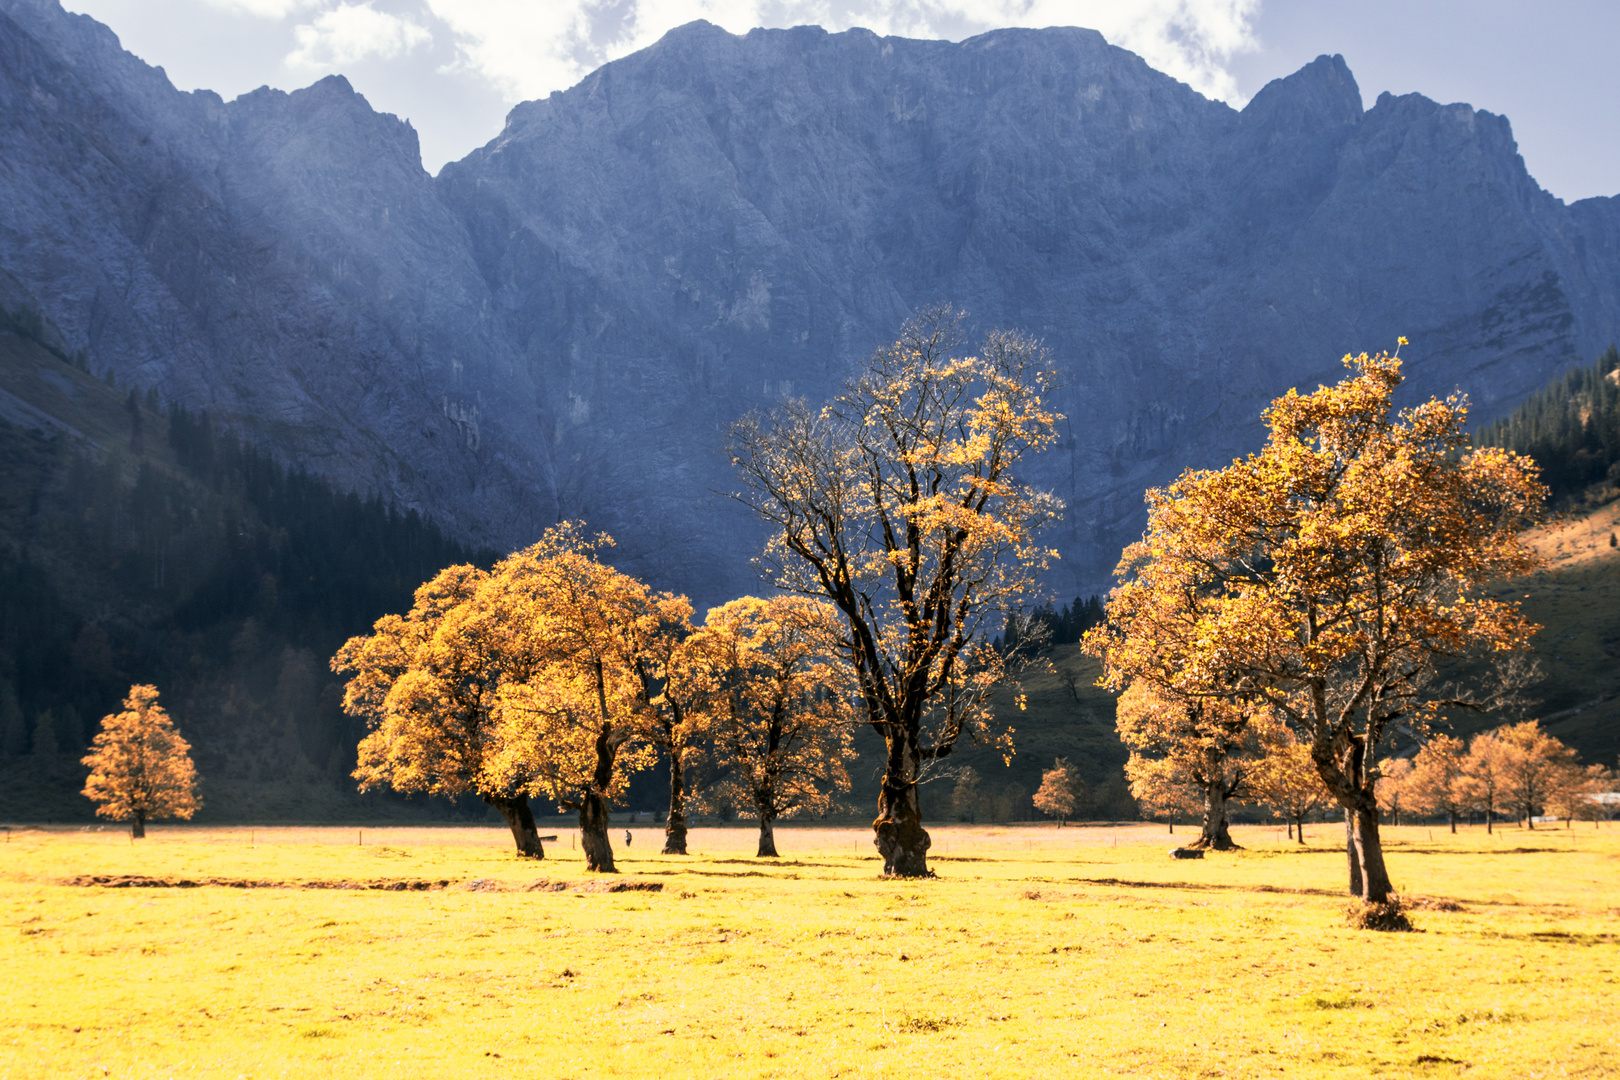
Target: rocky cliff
<point>564,323</point>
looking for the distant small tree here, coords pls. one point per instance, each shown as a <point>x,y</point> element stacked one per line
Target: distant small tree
<point>965,794</point>
<point>1286,779</point>
<point>1162,789</point>
<point>1534,764</point>
<point>1437,784</point>
<point>1058,795</point>
<point>140,767</point>
<point>1484,774</point>
<point>1394,776</point>
<point>1572,792</point>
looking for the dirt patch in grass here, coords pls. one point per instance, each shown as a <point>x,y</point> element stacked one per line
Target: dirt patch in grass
<point>142,881</point>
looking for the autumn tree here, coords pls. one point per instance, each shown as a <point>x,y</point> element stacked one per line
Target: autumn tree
<point>427,683</point>
<point>1204,741</point>
<point>1326,575</point>
<point>1534,764</point>
<point>1436,784</point>
<point>966,794</point>
<point>1485,774</point>
<point>1394,778</point>
<point>899,502</point>
<point>140,767</point>
<point>1162,788</point>
<point>1059,793</point>
<point>579,723</point>
<point>1285,777</point>
<point>676,681</point>
<point>1573,792</point>
<point>779,707</point>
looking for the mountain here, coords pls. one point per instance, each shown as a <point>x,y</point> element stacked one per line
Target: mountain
<point>564,323</point>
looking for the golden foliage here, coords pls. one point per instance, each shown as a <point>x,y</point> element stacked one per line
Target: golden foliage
<point>898,502</point>
<point>1437,784</point>
<point>531,679</point>
<point>1285,778</point>
<point>777,703</point>
<point>140,767</point>
<point>1324,575</point>
<point>1059,793</point>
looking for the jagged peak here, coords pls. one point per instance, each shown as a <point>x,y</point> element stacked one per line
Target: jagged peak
<point>1323,92</point>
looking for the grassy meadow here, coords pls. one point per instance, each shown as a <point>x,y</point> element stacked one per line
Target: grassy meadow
<point>1037,952</point>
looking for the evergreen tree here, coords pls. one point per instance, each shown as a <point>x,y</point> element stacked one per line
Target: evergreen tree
<point>1572,429</point>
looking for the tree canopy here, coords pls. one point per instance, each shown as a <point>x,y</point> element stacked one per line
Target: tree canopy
<point>899,502</point>
<point>1324,576</point>
<point>140,767</point>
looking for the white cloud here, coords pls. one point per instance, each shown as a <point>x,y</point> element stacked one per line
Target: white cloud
<point>264,9</point>
<point>528,49</point>
<point>351,32</point>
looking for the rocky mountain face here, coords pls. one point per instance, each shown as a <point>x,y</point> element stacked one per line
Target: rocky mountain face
<point>564,323</point>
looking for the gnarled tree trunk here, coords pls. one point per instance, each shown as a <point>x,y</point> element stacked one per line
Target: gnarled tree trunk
<point>767,838</point>
<point>593,833</point>
<point>137,827</point>
<point>1216,834</point>
<point>675,828</point>
<point>900,837</point>
<point>521,821</point>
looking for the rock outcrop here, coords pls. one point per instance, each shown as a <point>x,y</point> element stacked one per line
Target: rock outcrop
<point>564,323</point>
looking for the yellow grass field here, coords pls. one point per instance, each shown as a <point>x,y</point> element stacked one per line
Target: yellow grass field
<point>1037,952</point>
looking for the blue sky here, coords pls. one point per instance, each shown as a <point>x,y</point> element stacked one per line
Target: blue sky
<point>454,67</point>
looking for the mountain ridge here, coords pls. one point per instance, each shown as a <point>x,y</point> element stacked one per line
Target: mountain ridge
<point>564,323</point>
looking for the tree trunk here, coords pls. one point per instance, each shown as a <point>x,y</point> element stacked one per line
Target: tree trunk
<point>521,821</point>
<point>767,838</point>
<point>137,828</point>
<point>1350,853</point>
<point>1488,827</point>
<point>675,829</point>
<point>900,837</point>
<point>1375,886</point>
<point>593,834</point>
<point>1215,835</point>
<point>1453,819</point>
<point>1299,829</point>
<point>1290,829</point>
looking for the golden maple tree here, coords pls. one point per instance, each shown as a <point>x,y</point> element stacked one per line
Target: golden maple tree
<point>427,683</point>
<point>1059,793</point>
<point>140,767</point>
<point>1325,575</point>
<point>778,701</point>
<point>1534,765</point>
<point>1285,778</point>
<point>580,724</point>
<point>1437,784</point>
<point>899,503</point>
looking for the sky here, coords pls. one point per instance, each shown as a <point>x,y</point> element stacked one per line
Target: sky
<point>455,67</point>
